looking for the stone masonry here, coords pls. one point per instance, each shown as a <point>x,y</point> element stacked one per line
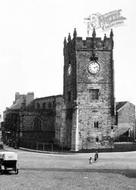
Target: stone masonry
<point>88,119</point>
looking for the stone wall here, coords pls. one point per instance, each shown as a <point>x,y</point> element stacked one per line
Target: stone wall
<point>43,123</point>
<point>35,128</point>
<point>59,121</point>
<point>81,110</point>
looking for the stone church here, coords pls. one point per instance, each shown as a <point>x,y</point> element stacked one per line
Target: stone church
<point>88,90</point>
<point>84,117</point>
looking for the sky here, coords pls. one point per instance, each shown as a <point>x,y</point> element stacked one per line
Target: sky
<point>31,45</point>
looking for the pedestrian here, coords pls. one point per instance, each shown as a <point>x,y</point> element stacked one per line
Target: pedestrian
<point>96,156</point>
<point>90,160</point>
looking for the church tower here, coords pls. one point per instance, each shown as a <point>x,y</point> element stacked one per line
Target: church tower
<point>88,91</point>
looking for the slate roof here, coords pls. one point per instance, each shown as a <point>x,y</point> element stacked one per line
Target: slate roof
<point>120,104</point>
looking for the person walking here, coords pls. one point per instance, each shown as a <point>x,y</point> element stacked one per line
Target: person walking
<point>90,160</point>
<point>96,156</point>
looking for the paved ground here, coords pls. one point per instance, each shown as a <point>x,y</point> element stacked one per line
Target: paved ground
<point>72,172</point>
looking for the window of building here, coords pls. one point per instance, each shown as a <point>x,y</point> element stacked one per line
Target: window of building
<point>49,105</point>
<point>96,124</point>
<point>53,103</point>
<point>38,106</point>
<point>94,94</point>
<point>44,105</point>
<point>97,139</point>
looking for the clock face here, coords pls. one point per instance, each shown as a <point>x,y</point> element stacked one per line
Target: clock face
<point>94,67</point>
<point>69,69</point>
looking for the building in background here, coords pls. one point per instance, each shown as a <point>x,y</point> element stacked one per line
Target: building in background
<point>86,115</point>
<point>11,117</point>
<point>126,129</point>
<point>41,123</point>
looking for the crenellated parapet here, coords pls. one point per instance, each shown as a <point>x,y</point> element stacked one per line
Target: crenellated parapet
<point>70,43</point>
<point>92,43</point>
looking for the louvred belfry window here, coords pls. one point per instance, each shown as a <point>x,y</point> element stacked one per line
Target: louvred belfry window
<point>94,94</point>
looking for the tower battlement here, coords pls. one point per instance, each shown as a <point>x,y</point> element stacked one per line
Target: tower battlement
<point>88,90</point>
<point>92,43</point>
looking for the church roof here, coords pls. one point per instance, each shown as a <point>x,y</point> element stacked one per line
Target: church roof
<point>122,128</point>
<point>48,97</point>
<point>120,104</point>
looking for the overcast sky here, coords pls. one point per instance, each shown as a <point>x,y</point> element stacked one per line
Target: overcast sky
<point>31,45</point>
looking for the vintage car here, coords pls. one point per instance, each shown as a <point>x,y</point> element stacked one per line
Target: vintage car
<point>8,162</point>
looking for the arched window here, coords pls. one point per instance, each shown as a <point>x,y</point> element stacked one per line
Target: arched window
<point>38,106</point>
<point>44,105</point>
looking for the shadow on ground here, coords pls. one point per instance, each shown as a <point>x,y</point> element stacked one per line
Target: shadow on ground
<point>128,173</point>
